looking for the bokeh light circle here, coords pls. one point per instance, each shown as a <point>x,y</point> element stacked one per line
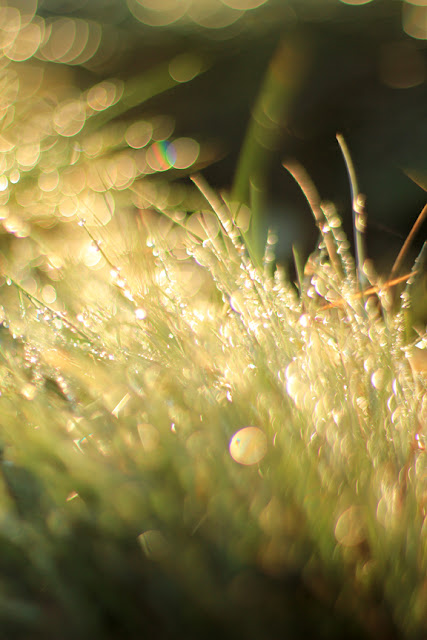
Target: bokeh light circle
<point>248,446</point>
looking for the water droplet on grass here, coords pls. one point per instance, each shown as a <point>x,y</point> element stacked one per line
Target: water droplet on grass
<point>29,391</point>
<point>140,313</point>
<point>248,446</point>
<point>378,379</point>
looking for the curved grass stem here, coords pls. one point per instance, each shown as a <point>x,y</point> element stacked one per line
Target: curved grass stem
<point>358,209</point>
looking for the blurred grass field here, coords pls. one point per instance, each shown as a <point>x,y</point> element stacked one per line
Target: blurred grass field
<point>193,443</point>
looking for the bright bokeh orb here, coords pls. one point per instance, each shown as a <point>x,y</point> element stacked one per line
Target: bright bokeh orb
<point>248,446</point>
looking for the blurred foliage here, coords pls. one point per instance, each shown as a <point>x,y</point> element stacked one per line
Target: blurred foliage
<point>192,445</point>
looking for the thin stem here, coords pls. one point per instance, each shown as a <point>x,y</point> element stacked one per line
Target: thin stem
<point>358,209</point>
<point>405,248</point>
<point>41,305</point>
<point>312,196</point>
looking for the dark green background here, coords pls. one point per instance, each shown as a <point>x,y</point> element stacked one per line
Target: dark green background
<point>385,128</point>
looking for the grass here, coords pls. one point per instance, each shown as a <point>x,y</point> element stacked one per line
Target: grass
<point>136,348</point>
<point>123,510</point>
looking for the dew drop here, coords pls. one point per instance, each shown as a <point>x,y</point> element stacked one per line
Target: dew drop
<point>378,379</point>
<point>114,273</point>
<point>248,446</point>
<point>128,294</point>
<point>29,391</point>
<point>58,324</point>
<point>140,313</point>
